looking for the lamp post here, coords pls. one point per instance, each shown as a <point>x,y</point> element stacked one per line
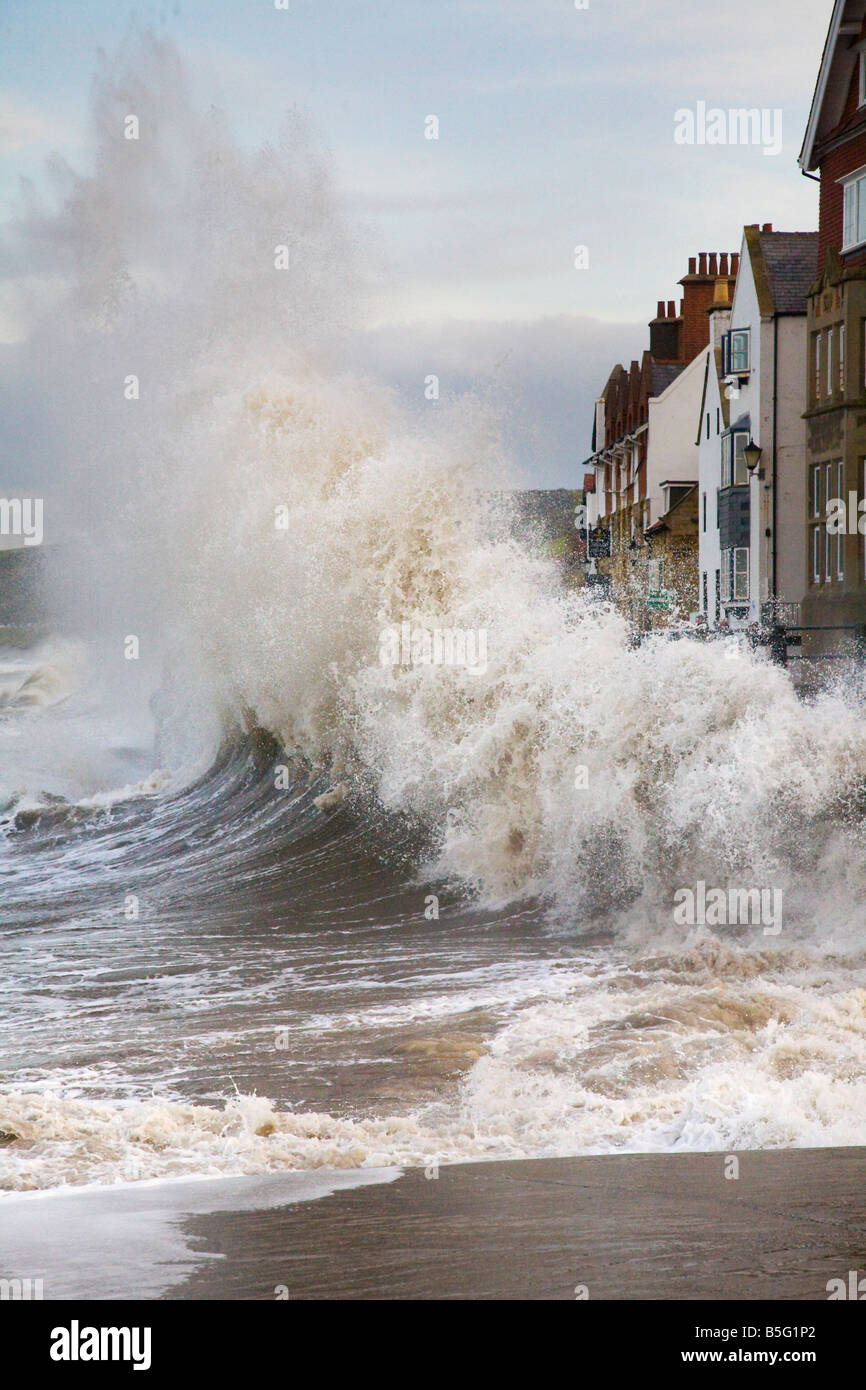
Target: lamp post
<point>752,459</point>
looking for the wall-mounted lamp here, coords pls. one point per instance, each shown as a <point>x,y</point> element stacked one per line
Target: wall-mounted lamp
<point>752,455</point>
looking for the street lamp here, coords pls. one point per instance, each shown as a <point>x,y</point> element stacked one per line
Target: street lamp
<point>752,455</point>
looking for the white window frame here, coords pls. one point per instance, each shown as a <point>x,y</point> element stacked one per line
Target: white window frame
<point>861,99</point>
<point>729,459</point>
<point>829,360</point>
<point>746,334</point>
<point>841,359</point>
<point>853,209</point>
<point>735,575</point>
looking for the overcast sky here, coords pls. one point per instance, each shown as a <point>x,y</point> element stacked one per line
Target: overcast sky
<point>556,129</point>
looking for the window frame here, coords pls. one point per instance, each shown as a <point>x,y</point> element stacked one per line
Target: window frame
<point>736,574</point>
<point>853,219</point>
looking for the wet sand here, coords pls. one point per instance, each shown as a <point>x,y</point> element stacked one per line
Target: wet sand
<point>662,1227</point>
<point>642,1227</point>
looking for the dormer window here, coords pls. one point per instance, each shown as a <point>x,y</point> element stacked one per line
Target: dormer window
<point>854,215</point>
<point>736,352</point>
<point>734,470</point>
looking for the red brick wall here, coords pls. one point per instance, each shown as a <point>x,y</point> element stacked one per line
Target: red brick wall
<point>830,221</point>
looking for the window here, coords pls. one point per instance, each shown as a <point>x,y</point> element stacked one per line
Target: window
<point>828,539</point>
<point>816,554</point>
<point>705,524</point>
<point>842,358</point>
<point>718,420</point>
<point>735,575</point>
<point>854,210</point>
<point>657,574</point>
<point>718,598</point>
<point>736,356</point>
<point>816,490</point>
<point>862,97</point>
<point>840,535</point>
<point>816,362</point>
<point>734,470</point>
<point>708,424</point>
<point>740,350</point>
<point>828,361</point>
<point>704,593</point>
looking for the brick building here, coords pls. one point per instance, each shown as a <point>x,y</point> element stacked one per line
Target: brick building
<point>644,461</point>
<point>835,144</point>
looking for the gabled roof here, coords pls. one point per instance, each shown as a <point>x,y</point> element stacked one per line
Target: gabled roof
<point>784,265</point>
<point>834,76</point>
<point>716,358</point>
<point>664,373</point>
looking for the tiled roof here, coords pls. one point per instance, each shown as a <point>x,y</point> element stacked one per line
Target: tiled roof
<point>791,259</point>
<point>664,373</point>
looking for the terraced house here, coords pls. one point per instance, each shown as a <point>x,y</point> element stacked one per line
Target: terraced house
<point>643,472</point>
<point>751,436</point>
<point>835,452</point>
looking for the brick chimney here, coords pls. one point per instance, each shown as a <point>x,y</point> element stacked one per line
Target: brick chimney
<point>666,333</point>
<point>699,289</point>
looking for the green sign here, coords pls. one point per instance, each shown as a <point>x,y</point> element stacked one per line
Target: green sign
<point>659,601</point>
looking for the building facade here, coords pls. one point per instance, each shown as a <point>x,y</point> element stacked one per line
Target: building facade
<point>752,560</point>
<point>644,463</point>
<point>835,371</point>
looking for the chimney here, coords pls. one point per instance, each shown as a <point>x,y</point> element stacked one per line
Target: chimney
<point>693,264</point>
<point>735,263</point>
<point>723,263</point>
<point>767,227</point>
<point>699,296</point>
<point>666,333</point>
<point>719,312</point>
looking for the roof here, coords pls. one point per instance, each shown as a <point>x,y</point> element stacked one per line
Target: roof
<point>834,76</point>
<point>662,523</point>
<point>664,373</point>
<point>784,265</point>
<point>792,265</point>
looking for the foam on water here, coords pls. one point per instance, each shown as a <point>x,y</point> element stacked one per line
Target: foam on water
<point>699,767</point>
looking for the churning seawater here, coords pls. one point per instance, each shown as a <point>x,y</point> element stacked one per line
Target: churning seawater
<point>267,903</point>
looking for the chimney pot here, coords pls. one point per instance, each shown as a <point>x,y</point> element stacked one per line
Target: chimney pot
<point>693,265</point>
<point>672,309</point>
<point>735,262</point>
<point>660,311</point>
<point>723,263</point>
<point>767,227</point>
<point>714,264</point>
<point>702,263</point>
